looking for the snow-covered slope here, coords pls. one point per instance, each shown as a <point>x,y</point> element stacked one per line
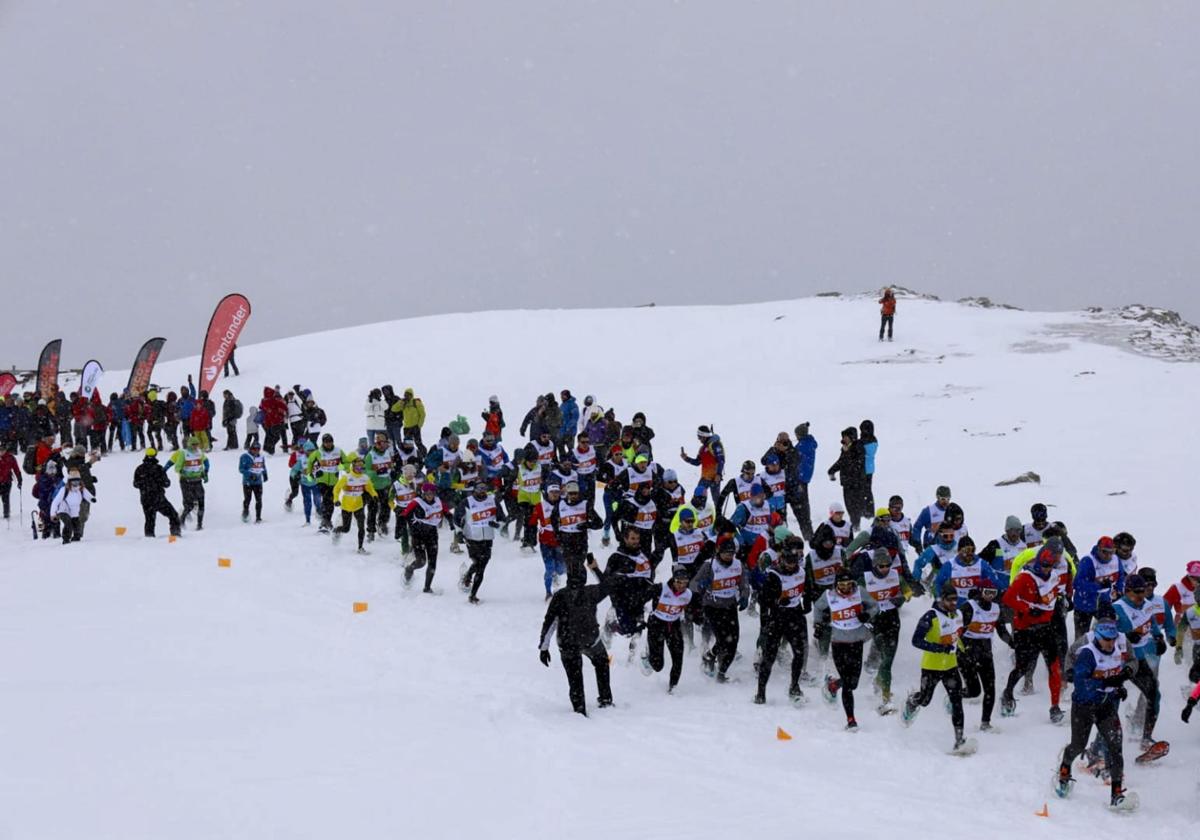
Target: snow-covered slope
<point>149,693</point>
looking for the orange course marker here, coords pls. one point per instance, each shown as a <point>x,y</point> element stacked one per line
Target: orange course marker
<point>120,531</point>
<point>172,538</point>
<point>224,562</point>
<point>360,606</point>
<point>1045,812</point>
<point>782,734</point>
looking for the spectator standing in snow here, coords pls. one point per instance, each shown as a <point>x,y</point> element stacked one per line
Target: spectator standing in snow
<point>568,425</point>
<point>230,363</point>
<point>887,313</point>
<point>866,435</point>
<point>851,467</point>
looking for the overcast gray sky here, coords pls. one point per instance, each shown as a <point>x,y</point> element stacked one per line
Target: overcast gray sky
<point>352,162</point>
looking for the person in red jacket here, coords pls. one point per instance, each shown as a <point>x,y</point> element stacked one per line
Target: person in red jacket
<point>274,420</point>
<point>78,413</point>
<point>137,415</point>
<point>9,472</point>
<point>1032,597</point>
<point>96,418</point>
<point>200,422</point>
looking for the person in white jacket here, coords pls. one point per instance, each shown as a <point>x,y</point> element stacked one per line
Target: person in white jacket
<point>66,506</point>
<point>376,414</point>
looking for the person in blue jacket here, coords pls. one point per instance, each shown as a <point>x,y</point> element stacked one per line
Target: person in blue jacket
<point>1099,687</point>
<point>925,529</point>
<point>306,481</point>
<point>1135,619</point>
<point>253,468</point>
<point>806,445</point>
<point>569,424</point>
<point>963,572</point>
<point>1098,577</point>
<point>866,435</point>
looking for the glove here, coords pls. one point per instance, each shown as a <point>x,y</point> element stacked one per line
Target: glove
<point>337,504</point>
<point>918,589</point>
<point>1178,656</point>
<point>1160,646</point>
<point>1135,637</point>
<point>206,478</point>
<point>743,603</point>
<point>544,656</point>
<point>1122,694</point>
<point>947,648</point>
<point>898,601</point>
<point>1186,714</point>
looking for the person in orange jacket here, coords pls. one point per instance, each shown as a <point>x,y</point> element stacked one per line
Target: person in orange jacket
<point>887,313</point>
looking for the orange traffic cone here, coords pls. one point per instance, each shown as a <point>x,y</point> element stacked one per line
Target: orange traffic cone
<point>224,562</point>
<point>120,530</point>
<point>360,606</point>
<point>782,734</point>
<point>172,538</point>
<point>1045,812</point>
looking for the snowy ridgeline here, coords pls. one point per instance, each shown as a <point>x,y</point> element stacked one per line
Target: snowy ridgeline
<point>150,692</point>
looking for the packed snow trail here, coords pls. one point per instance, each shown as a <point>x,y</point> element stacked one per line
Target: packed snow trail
<point>149,692</point>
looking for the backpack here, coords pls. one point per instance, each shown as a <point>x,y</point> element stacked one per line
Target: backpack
<point>29,464</point>
<point>460,426</point>
<point>258,417</point>
<point>237,409</point>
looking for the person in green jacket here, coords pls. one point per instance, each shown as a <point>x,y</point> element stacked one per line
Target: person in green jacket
<point>412,410</point>
<point>323,465</point>
<point>380,463</point>
<point>191,464</point>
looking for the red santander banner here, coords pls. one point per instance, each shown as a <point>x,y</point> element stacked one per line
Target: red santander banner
<point>47,371</point>
<point>7,383</point>
<point>223,330</point>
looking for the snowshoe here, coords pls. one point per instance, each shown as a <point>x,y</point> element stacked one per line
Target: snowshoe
<point>722,677</point>
<point>829,688</point>
<point>1057,715</point>
<point>1153,752</point>
<point>986,726</point>
<point>1124,801</point>
<point>964,747</point>
<point>472,600</point>
<point>910,712</point>
<point>1064,783</point>
<point>258,521</point>
<point>605,704</point>
<point>362,550</point>
<point>885,708</point>
<point>408,576</point>
<point>464,583</point>
<point>708,664</point>
<point>287,505</point>
<point>337,536</point>
<point>605,541</point>
<point>370,538</point>
<point>323,529</point>
<point>455,546</point>
<point>645,664</point>
<point>796,696</point>
<point>1008,706</point>
<point>807,678</point>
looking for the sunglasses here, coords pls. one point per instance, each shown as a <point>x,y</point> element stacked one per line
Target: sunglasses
<point>1137,591</point>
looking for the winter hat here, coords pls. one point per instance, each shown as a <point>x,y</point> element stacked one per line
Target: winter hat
<point>571,487</point>
<point>966,540</point>
<point>679,571</point>
<point>409,470</point>
<point>641,459</point>
<point>756,489</point>
<point>1135,581</point>
<point>836,507</point>
<point>253,445</point>
<point>493,400</point>
<point>703,432</point>
<point>1149,575</point>
<point>1055,546</point>
<point>362,441</point>
<point>725,543</point>
<point>428,487</point>
<point>1193,568</point>
<point>771,458</point>
<point>942,492</point>
<point>73,475</point>
<point>51,468</point>
<point>690,515</point>
<point>747,466</point>
<point>781,533</point>
<point>308,445</point>
<point>1106,542</point>
<point>801,430</point>
<point>880,556</point>
<point>1124,539</point>
<point>1038,511</point>
<point>555,488</point>
<point>1105,630</point>
<point>883,513</point>
<point>669,475</point>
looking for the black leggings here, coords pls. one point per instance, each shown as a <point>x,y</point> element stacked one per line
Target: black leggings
<point>425,551</point>
<point>979,673</point>
<point>152,509</point>
<point>252,491</point>
<point>1030,644</point>
<point>480,552</point>
<point>326,491</point>
<point>949,678</point>
<point>1147,682</point>
<point>357,516</point>
<point>378,511</point>
<point>1108,724</point>
<point>6,489</point>
<point>723,622</point>
<point>659,632</point>
<point>784,625</point>
<point>193,498</point>
<point>886,321</point>
<point>572,661</point>
<point>847,660</point>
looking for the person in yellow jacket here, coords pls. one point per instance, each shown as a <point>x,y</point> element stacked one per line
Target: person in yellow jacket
<point>937,636</point>
<point>348,493</point>
<point>412,413</point>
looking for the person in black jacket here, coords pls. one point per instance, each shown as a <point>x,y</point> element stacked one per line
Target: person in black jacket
<point>783,607</point>
<point>152,482</point>
<point>851,465</point>
<point>231,412</point>
<point>571,614</point>
<point>643,434</point>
